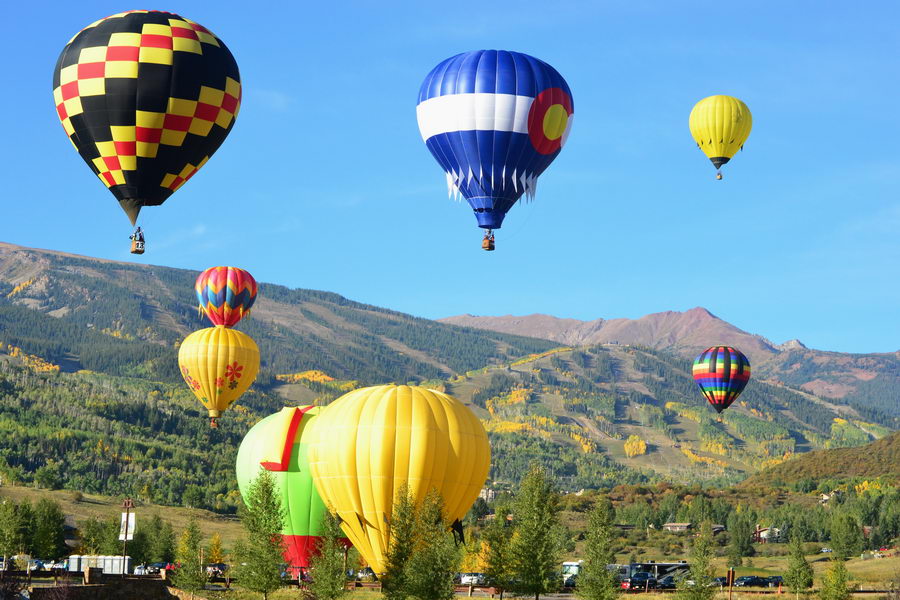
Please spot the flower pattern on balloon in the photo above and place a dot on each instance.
(233, 371)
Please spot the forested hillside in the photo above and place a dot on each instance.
(125, 319)
(610, 413)
(90, 398)
(864, 381)
(880, 458)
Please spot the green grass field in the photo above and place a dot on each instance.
(228, 527)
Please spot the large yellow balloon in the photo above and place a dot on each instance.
(369, 442)
(720, 126)
(218, 364)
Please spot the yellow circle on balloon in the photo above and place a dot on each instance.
(555, 120)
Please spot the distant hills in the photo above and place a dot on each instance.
(124, 319)
(866, 381)
(880, 458)
(90, 396)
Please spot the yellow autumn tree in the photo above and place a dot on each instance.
(635, 446)
(215, 554)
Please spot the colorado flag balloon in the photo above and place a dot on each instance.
(722, 373)
(494, 120)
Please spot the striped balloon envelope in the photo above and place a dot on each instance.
(722, 373)
(494, 120)
(225, 294)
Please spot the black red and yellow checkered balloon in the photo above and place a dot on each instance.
(146, 98)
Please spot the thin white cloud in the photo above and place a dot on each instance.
(271, 99)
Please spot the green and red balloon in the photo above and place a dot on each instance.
(278, 444)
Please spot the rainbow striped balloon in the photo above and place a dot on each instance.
(225, 294)
(722, 373)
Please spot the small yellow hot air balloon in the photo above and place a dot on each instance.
(218, 364)
(369, 442)
(720, 126)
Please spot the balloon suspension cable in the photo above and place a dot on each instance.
(719, 175)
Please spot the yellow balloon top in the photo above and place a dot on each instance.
(720, 126)
(369, 442)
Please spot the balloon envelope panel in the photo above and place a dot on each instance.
(494, 120)
(371, 441)
(722, 373)
(146, 97)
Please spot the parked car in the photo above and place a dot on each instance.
(472, 579)
(216, 569)
(156, 567)
(826, 550)
(639, 581)
(667, 583)
(571, 581)
(35, 564)
(774, 581)
(751, 581)
(720, 581)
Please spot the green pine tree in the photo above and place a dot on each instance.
(327, 564)
(263, 520)
(400, 546)
(799, 574)
(497, 560)
(190, 575)
(595, 581)
(697, 586)
(835, 583)
(10, 540)
(846, 536)
(537, 539)
(435, 560)
(740, 536)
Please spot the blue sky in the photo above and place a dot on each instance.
(324, 182)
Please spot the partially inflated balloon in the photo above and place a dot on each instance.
(146, 98)
(279, 444)
(722, 373)
(720, 126)
(218, 364)
(225, 294)
(494, 120)
(369, 442)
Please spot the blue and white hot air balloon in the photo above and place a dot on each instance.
(494, 120)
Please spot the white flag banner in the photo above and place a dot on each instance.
(126, 528)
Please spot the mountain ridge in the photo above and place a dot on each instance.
(826, 373)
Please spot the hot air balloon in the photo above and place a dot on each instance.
(720, 126)
(278, 444)
(225, 294)
(494, 120)
(371, 441)
(722, 373)
(218, 364)
(146, 98)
